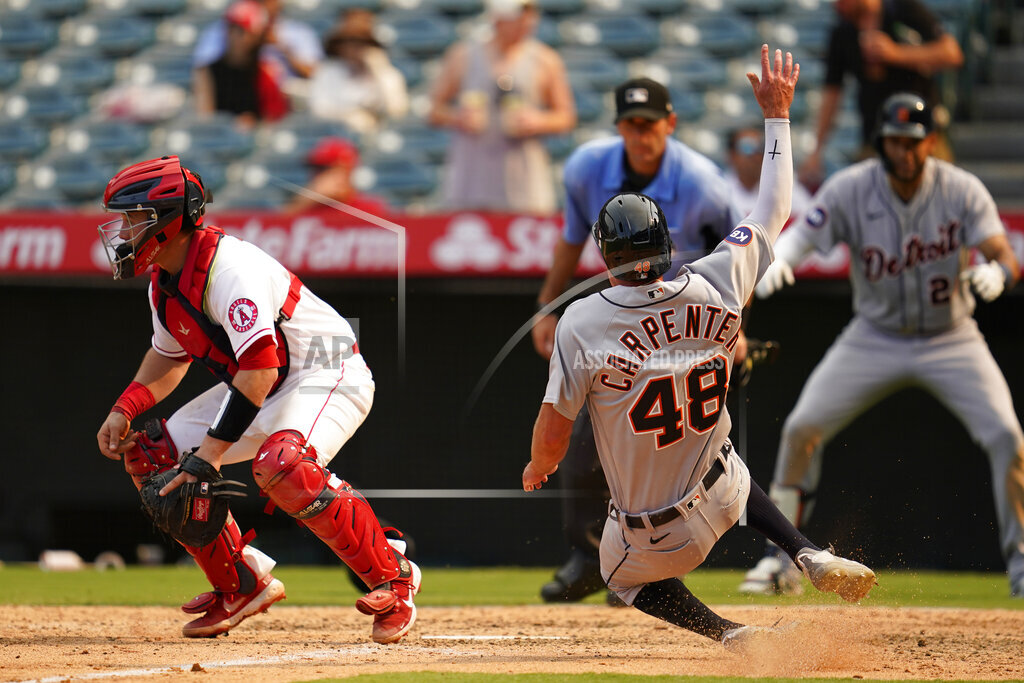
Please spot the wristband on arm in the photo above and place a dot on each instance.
(135, 400)
(236, 414)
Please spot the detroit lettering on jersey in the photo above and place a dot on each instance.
(916, 251)
(660, 330)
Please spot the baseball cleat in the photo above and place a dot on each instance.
(576, 579)
(391, 604)
(773, 575)
(738, 640)
(224, 611)
(831, 574)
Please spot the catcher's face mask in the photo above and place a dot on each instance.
(124, 236)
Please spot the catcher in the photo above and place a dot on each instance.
(231, 307)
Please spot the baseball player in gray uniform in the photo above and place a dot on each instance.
(910, 221)
(651, 360)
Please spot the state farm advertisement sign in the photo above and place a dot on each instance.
(334, 244)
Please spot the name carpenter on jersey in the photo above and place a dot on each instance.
(596, 359)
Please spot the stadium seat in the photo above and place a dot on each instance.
(411, 67)
(589, 103)
(51, 9)
(10, 72)
(548, 33)
(112, 34)
(45, 105)
(263, 169)
(215, 135)
(456, 8)
(21, 140)
(159, 64)
(183, 30)
(111, 140)
(420, 34)
(626, 34)
(238, 197)
(660, 8)
(77, 177)
(151, 8)
(29, 198)
(399, 177)
(559, 146)
(77, 70)
(298, 133)
(595, 66)
(560, 8)
(721, 34)
(7, 178)
(688, 104)
(414, 137)
(23, 34)
(688, 68)
(805, 35)
(750, 7)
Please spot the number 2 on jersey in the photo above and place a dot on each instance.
(657, 408)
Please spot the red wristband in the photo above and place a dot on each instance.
(135, 400)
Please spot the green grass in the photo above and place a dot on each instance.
(27, 585)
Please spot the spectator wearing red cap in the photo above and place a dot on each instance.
(357, 84)
(240, 82)
(333, 160)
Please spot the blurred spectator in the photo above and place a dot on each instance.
(333, 160)
(501, 96)
(239, 82)
(743, 176)
(357, 84)
(290, 48)
(888, 46)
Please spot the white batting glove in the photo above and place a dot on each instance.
(988, 279)
(778, 275)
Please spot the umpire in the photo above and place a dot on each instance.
(695, 198)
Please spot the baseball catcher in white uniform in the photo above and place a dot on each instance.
(910, 221)
(651, 359)
(293, 389)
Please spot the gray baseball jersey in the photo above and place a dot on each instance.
(652, 362)
(905, 258)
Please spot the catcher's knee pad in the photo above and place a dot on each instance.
(153, 452)
(287, 471)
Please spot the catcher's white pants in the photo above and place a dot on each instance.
(629, 559)
(324, 404)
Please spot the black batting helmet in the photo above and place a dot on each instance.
(632, 234)
(903, 114)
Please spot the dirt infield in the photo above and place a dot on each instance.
(301, 643)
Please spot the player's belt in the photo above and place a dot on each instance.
(660, 517)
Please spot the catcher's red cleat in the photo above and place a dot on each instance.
(224, 611)
(391, 604)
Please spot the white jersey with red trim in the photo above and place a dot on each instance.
(652, 362)
(245, 292)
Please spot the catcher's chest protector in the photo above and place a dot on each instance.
(178, 300)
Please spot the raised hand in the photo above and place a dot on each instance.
(774, 89)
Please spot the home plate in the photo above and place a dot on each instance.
(498, 637)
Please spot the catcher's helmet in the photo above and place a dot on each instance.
(632, 234)
(156, 200)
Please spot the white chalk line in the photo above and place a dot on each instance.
(496, 637)
(247, 661)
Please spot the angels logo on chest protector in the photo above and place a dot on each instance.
(242, 314)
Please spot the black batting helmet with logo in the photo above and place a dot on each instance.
(903, 115)
(632, 234)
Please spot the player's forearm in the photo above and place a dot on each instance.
(160, 374)
(944, 53)
(775, 194)
(551, 433)
(563, 264)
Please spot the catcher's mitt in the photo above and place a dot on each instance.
(195, 512)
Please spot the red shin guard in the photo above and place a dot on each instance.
(287, 471)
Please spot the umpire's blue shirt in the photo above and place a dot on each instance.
(689, 188)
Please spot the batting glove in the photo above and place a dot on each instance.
(988, 279)
(778, 275)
